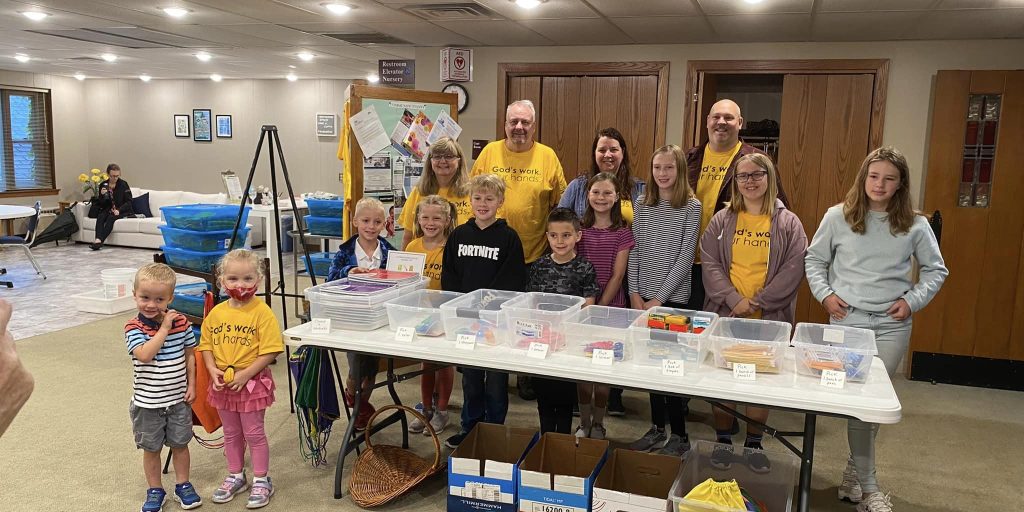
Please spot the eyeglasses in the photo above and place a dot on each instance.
(446, 158)
(756, 176)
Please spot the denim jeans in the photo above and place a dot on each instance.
(892, 338)
(484, 397)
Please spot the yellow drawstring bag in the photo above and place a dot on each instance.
(723, 494)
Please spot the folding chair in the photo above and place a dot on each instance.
(26, 241)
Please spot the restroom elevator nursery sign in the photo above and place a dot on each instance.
(397, 72)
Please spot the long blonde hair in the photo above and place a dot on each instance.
(681, 192)
(761, 160)
(428, 184)
(900, 210)
(448, 208)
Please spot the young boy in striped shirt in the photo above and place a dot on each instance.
(161, 344)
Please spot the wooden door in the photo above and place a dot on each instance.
(823, 139)
(980, 310)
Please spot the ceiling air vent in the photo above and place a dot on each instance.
(371, 38)
(452, 12)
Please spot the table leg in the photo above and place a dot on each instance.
(804, 489)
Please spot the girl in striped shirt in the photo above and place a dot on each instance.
(606, 243)
(665, 225)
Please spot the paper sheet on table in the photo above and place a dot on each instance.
(416, 139)
(444, 126)
(369, 131)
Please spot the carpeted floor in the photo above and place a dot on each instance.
(71, 448)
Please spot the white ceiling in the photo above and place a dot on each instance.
(260, 38)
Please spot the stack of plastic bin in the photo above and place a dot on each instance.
(325, 216)
(355, 305)
(197, 235)
(321, 263)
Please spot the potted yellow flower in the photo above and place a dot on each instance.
(92, 182)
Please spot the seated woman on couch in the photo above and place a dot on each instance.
(114, 202)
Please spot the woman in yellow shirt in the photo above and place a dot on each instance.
(752, 253)
(444, 174)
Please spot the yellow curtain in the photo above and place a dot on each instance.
(346, 170)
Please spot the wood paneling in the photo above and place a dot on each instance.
(1014, 94)
(519, 88)
(559, 123)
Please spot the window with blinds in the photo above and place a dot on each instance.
(27, 158)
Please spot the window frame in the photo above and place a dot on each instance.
(7, 143)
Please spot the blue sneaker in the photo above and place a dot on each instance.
(187, 496)
(154, 500)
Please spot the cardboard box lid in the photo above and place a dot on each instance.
(640, 475)
(558, 454)
(489, 442)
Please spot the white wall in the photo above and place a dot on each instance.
(911, 74)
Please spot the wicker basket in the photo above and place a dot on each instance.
(383, 473)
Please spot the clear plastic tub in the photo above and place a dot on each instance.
(325, 207)
(193, 260)
(321, 263)
(600, 327)
(743, 340)
(662, 333)
(203, 217)
(479, 314)
(344, 293)
(204, 241)
(537, 317)
(420, 310)
(773, 488)
(834, 347)
(329, 226)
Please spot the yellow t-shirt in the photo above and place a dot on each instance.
(750, 246)
(408, 218)
(627, 210)
(236, 336)
(432, 267)
(709, 185)
(534, 183)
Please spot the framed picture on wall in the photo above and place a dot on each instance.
(202, 125)
(181, 122)
(223, 126)
(326, 125)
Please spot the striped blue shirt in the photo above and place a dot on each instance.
(161, 382)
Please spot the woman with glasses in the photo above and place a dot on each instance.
(444, 174)
(752, 255)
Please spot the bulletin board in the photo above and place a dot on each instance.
(397, 109)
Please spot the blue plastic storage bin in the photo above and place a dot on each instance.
(189, 298)
(321, 263)
(203, 217)
(326, 207)
(193, 260)
(202, 240)
(323, 225)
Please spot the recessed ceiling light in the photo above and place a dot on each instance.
(216, 78)
(175, 12)
(79, 77)
(34, 15)
(22, 57)
(109, 57)
(291, 67)
(305, 56)
(528, 4)
(291, 77)
(337, 8)
(203, 56)
(372, 78)
(753, 2)
(145, 78)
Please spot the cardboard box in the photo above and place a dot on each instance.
(635, 482)
(482, 472)
(557, 475)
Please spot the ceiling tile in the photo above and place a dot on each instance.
(667, 29)
(336, 27)
(498, 33)
(362, 53)
(978, 4)
(873, 5)
(267, 10)
(712, 7)
(275, 33)
(362, 10)
(612, 8)
(858, 26)
(762, 27)
(200, 14)
(971, 24)
(553, 9)
(579, 31)
(422, 34)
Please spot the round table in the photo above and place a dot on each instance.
(7, 214)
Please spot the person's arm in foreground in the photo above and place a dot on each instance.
(16, 382)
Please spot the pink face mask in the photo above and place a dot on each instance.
(242, 294)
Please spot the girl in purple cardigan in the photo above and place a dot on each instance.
(752, 255)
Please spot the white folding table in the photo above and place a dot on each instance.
(874, 401)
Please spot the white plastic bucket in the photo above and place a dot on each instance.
(117, 282)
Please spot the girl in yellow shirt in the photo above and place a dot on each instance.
(444, 174)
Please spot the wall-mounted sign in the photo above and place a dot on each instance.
(456, 65)
(397, 72)
(326, 125)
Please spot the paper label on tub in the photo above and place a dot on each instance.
(672, 367)
(537, 350)
(482, 491)
(548, 507)
(603, 357)
(320, 326)
(405, 334)
(527, 329)
(744, 371)
(835, 379)
(465, 341)
(832, 335)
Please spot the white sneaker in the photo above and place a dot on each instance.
(580, 433)
(850, 489)
(875, 502)
(598, 432)
(416, 426)
(438, 422)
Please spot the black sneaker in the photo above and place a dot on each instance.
(453, 442)
(722, 457)
(615, 407)
(525, 387)
(757, 461)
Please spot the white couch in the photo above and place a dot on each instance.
(145, 233)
